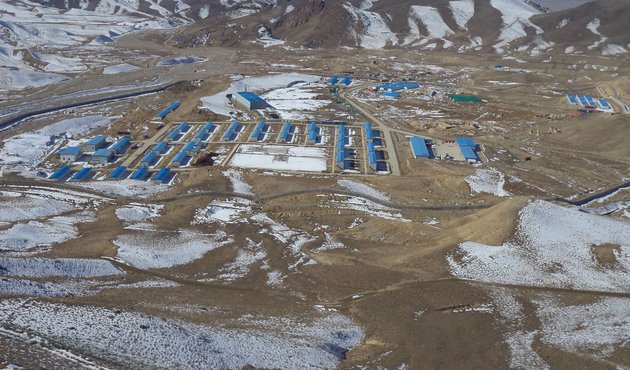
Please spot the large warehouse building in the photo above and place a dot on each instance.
(250, 100)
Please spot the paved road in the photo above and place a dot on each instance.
(387, 131)
(48, 105)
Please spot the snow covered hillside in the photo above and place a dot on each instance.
(37, 42)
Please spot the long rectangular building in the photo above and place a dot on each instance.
(419, 147)
(250, 100)
(468, 147)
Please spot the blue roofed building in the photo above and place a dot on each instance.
(81, 175)
(396, 86)
(181, 159)
(391, 95)
(140, 174)
(161, 147)
(95, 143)
(70, 154)
(250, 101)
(102, 156)
(469, 148)
(149, 158)
(121, 145)
(168, 110)
(163, 175)
(419, 147)
(118, 173)
(60, 173)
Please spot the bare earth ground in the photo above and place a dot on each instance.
(390, 276)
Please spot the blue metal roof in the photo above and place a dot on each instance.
(469, 153)
(419, 147)
(61, 172)
(208, 126)
(312, 132)
(372, 158)
(200, 135)
(391, 94)
(149, 157)
(465, 141)
(121, 144)
(81, 174)
(96, 140)
(394, 86)
(231, 131)
(257, 130)
(191, 146)
(140, 173)
(161, 147)
(333, 80)
(119, 171)
(341, 154)
(604, 104)
(284, 133)
(342, 132)
(102, 153)
(180, 158)
(162, 174)
(182, 127)
(73, 150)
(251, 97)
(168, 110)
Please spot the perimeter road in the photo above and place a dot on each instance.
(44, 106)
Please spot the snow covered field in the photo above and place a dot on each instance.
(40, 217)
(58, 267)
(228, 211)
(162, 249)
(65, 36)
(556, 247)
(362, 188)
(138, 212)
(126, 188)
(27, 236)
(25, 151)
(297, 101)
(219, 104)
(487, 180)
(135, 338)
(552, 247)
(366, 206)
(281, 158)
(120, 68)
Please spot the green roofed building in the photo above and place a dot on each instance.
(464, 98)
